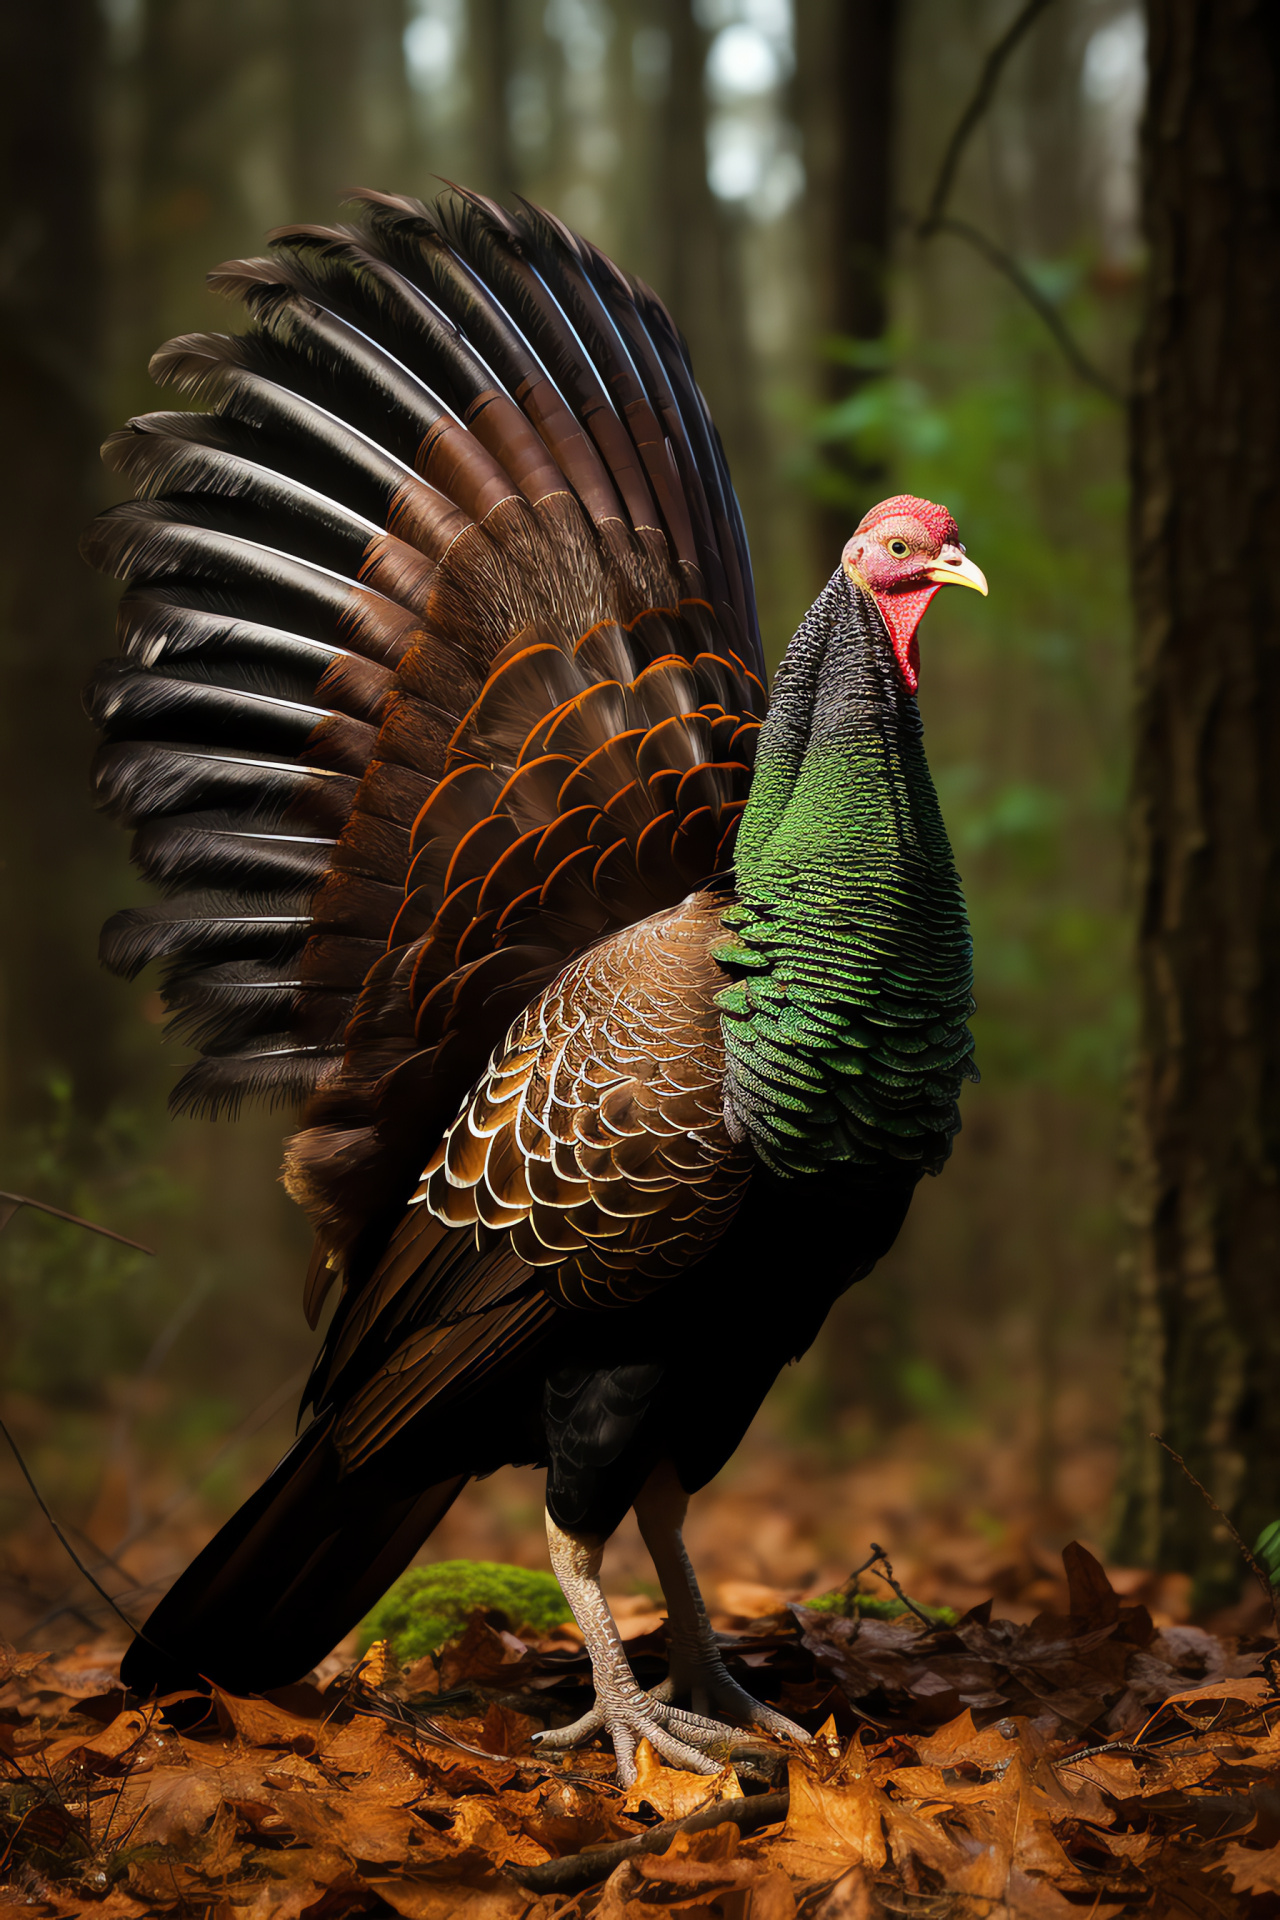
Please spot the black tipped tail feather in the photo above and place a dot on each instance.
(288, 1576)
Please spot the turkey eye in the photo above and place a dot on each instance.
(899, 549)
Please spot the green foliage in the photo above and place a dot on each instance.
(429, 1604)
(868, 1606)
(1267, 1549)
(77, 1308)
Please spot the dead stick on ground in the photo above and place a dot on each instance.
(878, 1553)
(1259, 1572)
(578, 1870)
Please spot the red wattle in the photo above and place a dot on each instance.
(902, 614)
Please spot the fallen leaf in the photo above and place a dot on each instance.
(18, 1666)
(747, 1600)
(853, 1897)
(840, 1823)
(178, 1806)
(505, 1731)
(259, 1723)
(486, 1825)
(672, 1793)
(1252, 1869)
(479, 1653)
(423, 1899)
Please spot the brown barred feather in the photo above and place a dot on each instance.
(604, 1107)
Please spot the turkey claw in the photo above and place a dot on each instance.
(712, 1689)
(682, 1739)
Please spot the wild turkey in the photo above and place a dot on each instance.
(440, 692)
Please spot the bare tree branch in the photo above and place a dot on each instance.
(71, 1552)
(983, 94)
(1005, 263)
(11, 1203)
(935, 218)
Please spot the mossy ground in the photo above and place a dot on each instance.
(851, 1606)
(429, 1604)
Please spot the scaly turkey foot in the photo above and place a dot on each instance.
(629, 1715)
(684, 1739)
(700, 1675)
(697, 1670)
(623, 1710)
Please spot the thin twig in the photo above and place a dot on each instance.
(11, 1203)
(43, 1505)
(263, 1412)
(577, 1870)
(878, 1553)
(981, 99)
(935, 218)
(1004, 262)
(1251, 1561)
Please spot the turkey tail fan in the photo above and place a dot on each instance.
(437, 662)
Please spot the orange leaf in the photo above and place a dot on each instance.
(672, 1793)
(420, 1899)
(1252, 1869)
(834, 1822)
(260, 1724)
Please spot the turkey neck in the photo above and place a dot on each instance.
(845, 1025)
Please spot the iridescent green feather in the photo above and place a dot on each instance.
(846, 1022)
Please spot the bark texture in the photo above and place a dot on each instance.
(54, 1004)
(848, 142)
(1206, 805)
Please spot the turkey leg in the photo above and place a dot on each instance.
(623, 1709)
(697, 1667)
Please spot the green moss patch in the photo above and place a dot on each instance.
(428, 1605)
(867, 1606)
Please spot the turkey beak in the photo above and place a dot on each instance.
(954, 568)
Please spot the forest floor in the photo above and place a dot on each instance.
(1073, 1745)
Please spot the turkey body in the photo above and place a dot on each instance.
(598, 1400)
(625, 1006)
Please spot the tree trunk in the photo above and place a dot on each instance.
(1206, 800)
(490, 49)
(54, 619)
(848, 152)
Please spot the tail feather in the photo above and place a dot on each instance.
(288, 1576)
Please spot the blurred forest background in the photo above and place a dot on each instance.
(769, 166)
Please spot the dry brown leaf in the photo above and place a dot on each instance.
(748, 1600)
(1252, 1690)
(293, 1880)
(831, 1826)
(479, 1653)
(505, 1731)
(564, 1817)
(853, 1897)
(672, 1793)
(363, 1828)
(1252, 1869)
(959, 1740)
(1114, 1773)
(490, 1826)
(259, 1723)
(18, 1666)
(179, 1804)
(423, 1899)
